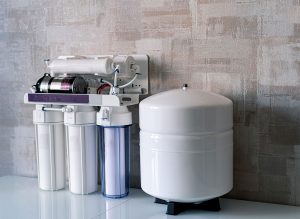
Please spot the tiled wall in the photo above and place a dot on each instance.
(247, 50)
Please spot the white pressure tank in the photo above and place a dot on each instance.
(186, 145)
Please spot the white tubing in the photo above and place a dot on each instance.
(82, 66)
(130, 82)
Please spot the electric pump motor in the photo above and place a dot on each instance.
(61, 84)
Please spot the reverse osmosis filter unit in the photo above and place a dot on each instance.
(186, 148)
(79, 93)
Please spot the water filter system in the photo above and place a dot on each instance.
(82, 127)
(81, 116)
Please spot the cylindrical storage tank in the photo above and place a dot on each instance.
(114, 130)
(186, 145)
(81, 140)
(50, 148)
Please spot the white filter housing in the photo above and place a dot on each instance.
(81, 140)
(50, 148)
(186, 145)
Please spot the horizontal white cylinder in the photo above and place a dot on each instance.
(81, 66)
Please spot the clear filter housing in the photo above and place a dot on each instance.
(114, 157)
(50, 148)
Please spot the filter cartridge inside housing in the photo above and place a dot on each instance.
(114, 155)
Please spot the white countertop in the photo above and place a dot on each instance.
(21, 198)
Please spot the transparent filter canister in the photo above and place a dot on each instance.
(114, 156)
(50, 148)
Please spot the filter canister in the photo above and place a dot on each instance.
(114, 157)
(50, 148)
(81, 141)
(114, 131)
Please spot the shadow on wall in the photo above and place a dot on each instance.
(266, 149)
